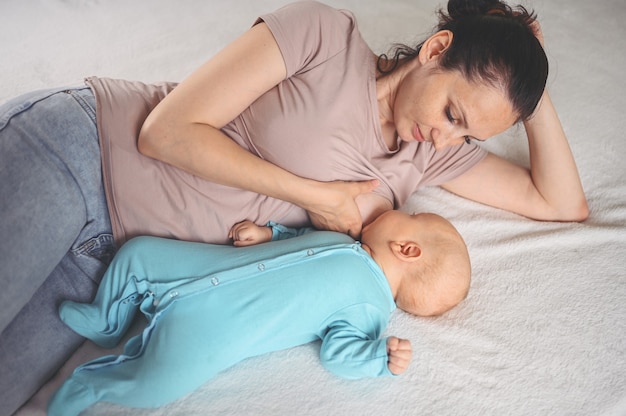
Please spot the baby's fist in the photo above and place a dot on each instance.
(399, 352)
(247, 233)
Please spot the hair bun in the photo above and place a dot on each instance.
(462, 8)
(459, 9)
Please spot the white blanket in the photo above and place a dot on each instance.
(543, 331)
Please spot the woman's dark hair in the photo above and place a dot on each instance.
(492, 42)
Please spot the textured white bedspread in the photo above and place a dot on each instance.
(543, 331)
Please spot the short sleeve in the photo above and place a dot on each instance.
(444, 165)
(309, 33)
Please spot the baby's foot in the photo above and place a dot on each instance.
(91, 322)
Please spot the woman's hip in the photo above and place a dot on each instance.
(52, 197)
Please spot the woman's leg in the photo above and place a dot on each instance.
(56, 232)
(37, 343)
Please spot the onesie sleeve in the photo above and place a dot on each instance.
(309, 33)
(354, 351)
(281, 232)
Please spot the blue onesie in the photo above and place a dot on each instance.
(211, 306)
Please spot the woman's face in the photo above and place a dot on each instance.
(444, 108)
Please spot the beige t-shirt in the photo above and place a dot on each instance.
(321, 122)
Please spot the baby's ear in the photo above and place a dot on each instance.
(406, 250)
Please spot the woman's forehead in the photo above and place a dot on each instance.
(483, 106)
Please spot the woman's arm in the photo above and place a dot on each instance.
(551, 190)
(184, 131)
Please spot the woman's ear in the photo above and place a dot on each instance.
(406, 250)
(435, 45)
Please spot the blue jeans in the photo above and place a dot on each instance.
(56, 238)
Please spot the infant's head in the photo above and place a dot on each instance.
(424, 258)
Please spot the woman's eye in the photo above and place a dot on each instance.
(449, 115)
(467, 139)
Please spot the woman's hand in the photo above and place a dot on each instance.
(333, 206)
(247, 233)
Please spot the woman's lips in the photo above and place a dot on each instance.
(418, 134)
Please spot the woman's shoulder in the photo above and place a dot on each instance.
(309, 32)
(311, 18)
(315, 10)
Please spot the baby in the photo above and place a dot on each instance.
(211, 306)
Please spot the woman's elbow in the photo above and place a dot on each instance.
(582, 212)
(577, 212)
(149, 139)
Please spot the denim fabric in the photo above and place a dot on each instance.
(56, 232)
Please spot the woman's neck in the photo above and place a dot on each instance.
(386, 91)
(387, 88)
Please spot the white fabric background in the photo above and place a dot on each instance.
(543, 331)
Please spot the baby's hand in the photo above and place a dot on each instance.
(399, 352)
(247, 233)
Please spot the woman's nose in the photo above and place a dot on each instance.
(447, 136)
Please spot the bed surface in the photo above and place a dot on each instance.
(543, 330)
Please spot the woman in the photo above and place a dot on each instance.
(295, 118)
